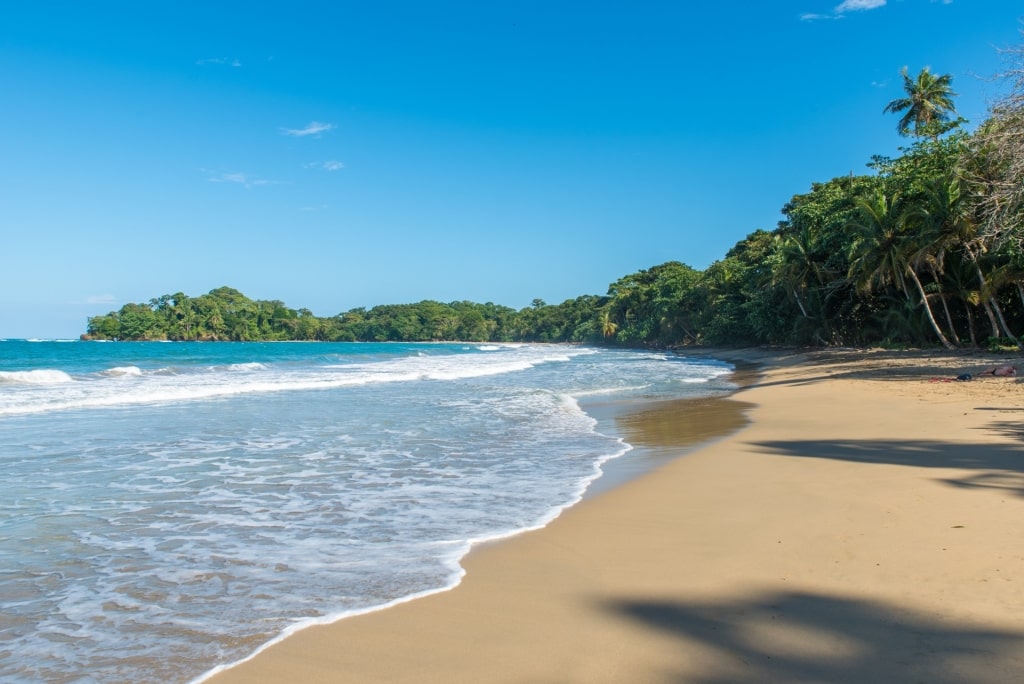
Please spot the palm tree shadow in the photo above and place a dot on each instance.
(1013, 430)
(999, 466)
(808, 637)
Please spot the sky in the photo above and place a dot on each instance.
(344, 154)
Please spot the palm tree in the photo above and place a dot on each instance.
(883, 253)
(798, 269)
(928, 104)
(608, 326)
(952, 228)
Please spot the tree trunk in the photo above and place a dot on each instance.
(931, 317)
(993, 323)
(945, 308)
(796, 295)
(949, 321)
(992, 304)
(970, 326)
(1002, 322)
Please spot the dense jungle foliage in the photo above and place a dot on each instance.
(926, 249)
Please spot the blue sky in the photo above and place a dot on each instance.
(343, 154)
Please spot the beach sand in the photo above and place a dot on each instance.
(867, 525)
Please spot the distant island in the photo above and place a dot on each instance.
(227, 314)
(927, 250)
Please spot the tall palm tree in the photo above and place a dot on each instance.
(952, 228)
(884, 253)
(929, 103)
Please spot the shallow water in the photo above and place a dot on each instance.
(171, 506)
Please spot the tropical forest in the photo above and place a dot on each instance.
(926, 249)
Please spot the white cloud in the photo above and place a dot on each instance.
(331, 165)
(224, 61)
(857, 5)
(848, 6)
(240, 179)
(313, 128)
(101, 299)
(810, 16)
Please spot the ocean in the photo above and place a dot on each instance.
(169, 508)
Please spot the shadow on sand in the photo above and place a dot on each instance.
(998, 466)
(807, 637)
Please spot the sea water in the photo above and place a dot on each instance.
(167, 509)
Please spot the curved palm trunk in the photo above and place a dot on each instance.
(945, 308)
(992, 322)
(796, 296)
(1002, 322)
(970, 326)
(993, 305)
(949, 322)
(931, 316)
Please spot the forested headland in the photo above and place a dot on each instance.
(927, 249)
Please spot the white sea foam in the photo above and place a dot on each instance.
(35, 377)
(454, 551)
(251, 365)
(272, 508)
(123, 371)
(236, 379)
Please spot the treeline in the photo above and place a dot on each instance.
(927, 249)
(227, 314)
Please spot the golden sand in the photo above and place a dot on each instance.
(866, 526)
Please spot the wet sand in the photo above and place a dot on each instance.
(867, 525)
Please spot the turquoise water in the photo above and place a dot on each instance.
(168, 508)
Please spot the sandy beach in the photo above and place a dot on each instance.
(863, 522)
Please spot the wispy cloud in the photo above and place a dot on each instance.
(330, 165)
(319, 207)
(240, 179)
(101, 299)
(222, 61)
(846, 6)
(312, 128)
(858, 5)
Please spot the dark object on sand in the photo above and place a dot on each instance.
(1000, 371)
(963, 378)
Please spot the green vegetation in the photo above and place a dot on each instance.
(928, 249)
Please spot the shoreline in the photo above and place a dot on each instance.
(652, 429)
(725, 414)
(791, 550)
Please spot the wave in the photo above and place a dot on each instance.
(123, 371)
(35, 377)
(55, 390)
(216, 382)
(252, 365)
